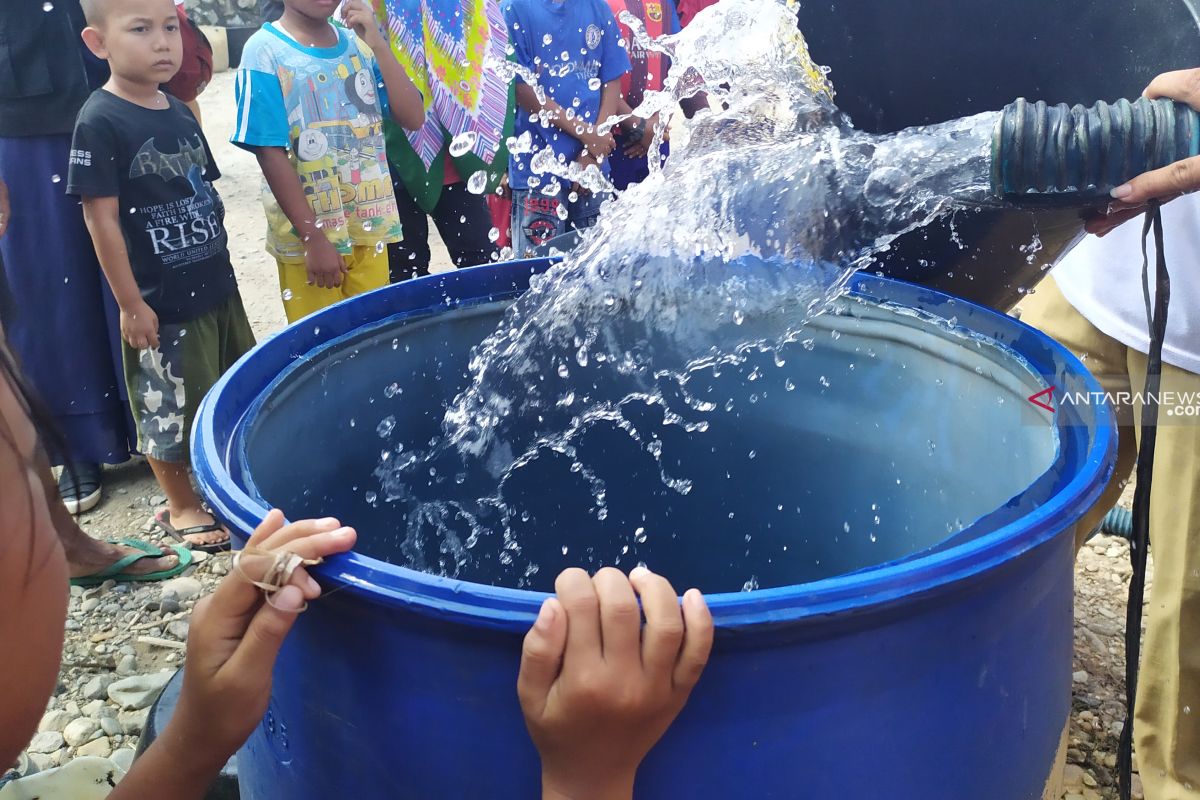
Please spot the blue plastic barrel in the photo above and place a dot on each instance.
(933, 662)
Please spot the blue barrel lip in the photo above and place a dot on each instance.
(874, 588)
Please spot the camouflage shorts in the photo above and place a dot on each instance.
(167, 384)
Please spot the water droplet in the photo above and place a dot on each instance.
(477, 183)
(386, 426)
(287, 295)
(564, 549)
(56, 178)
(563, 372)
(739, 316)
(594, 84)
(371, 497)
(493, 234)
(547, 39)
(462, 143)
(47, 6)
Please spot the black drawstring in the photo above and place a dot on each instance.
(1156, 317)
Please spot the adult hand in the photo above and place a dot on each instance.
(1163, 184)
(235, 636)
(598, 690)
(325, 265)
(139, 326)
(5, 208)
(360, 17)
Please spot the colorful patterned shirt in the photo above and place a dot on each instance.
(326, 106)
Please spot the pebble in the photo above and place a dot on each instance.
(181, 589)
(127, 665)
(1080, 676)
(54, 721)
(178, 629)
(170, 606)
(79, 731)
(101, 748)
(133, 722)
(123, 758)
(111, 727)
(138, 691)
(97, 687)
(89, 605)
(93, 708)
(46, 742)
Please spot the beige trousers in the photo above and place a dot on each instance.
(1167, 719)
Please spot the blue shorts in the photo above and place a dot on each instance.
(537, 218)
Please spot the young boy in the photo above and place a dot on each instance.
(144, 172)
(572, 47)
(311, 102)
(629, 163)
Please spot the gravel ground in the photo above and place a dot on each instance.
(121, 637)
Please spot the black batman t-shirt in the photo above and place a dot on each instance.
(158, 164)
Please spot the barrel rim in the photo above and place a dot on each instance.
(873, 588)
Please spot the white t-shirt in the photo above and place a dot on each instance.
(1102, 279)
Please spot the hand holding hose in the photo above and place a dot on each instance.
(1163, 184)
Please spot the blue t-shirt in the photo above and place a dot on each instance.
(573, 46)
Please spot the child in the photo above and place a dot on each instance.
(629, 162)
(144, 172)
(572, 47)
(311, 108)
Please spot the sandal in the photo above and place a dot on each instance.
(117, 570)
(162, 519)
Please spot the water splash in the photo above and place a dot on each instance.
(769, 202)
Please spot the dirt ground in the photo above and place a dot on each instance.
(131, 495)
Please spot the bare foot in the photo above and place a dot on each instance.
(192, 518)
(87, 559)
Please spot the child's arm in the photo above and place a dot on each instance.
(139, 323)
(598, 145)
(234, 640)
(407, 105)
(325, 265)
(598, 690)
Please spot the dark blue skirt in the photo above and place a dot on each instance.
(61, 321)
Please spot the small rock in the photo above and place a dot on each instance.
(170, 605)
(1080, 676)
(123, 758)
(220, 566)
(150, 605)
(182, 589)
(1073, 778)
(46, 742)
(199, 556)
(157, 500)
(74, 625)
(54, 721)
(76, 591)
(178, 629)
(101, 748)
(127, 666)
(89, 605)
(79, 731)
(92, 709)
(138, 691)
(111, 727)
(73, 708)
(133, 722)
(97, 687)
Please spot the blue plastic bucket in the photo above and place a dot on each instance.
(932, 664)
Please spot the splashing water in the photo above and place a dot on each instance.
(719, 261)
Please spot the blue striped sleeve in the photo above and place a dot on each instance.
(261, 111)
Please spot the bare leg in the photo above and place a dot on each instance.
(183, 504)
(85, 555)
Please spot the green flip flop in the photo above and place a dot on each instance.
(116, 571)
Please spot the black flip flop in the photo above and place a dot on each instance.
(162, 519)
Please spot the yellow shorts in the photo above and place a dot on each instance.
(367, 269)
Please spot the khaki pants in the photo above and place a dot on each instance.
(1167, 720)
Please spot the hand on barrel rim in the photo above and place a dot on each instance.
(235, 636)
(1163, 184)
(598, 690)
